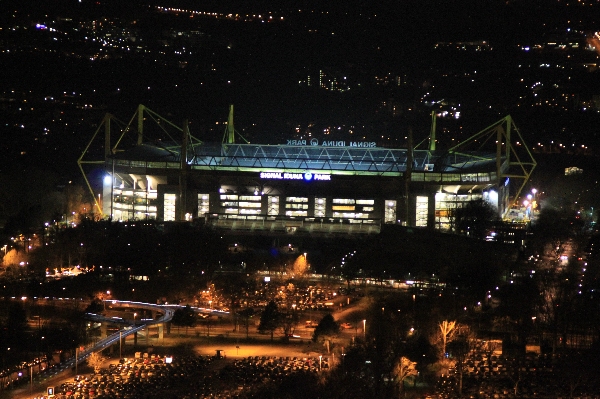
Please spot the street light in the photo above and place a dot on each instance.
(365, 328)
(134, 315)
(306, 263)
(107, 295)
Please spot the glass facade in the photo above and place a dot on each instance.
(296, 206)
(356, 201)
(351, 208)
(229, 204)
(203, 204)
(169, 207)
(390, 211)
(446, 205)
(273, 205)
(131, 204)
(320, 207)
(421, 211)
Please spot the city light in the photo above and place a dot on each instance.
(364, 328)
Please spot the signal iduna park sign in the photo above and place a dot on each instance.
(333, 143)
(308, 176)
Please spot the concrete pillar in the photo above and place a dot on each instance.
(103, 330)
(161, 327)
(431, 210)
(135, 338)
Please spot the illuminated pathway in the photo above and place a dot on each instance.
(134, 327)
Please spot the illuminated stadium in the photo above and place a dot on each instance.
(308, 186)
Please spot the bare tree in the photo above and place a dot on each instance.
(558, 290)
(95, 361)
(404, 368)
(460, 348)
(448, 330)
(577, 370)
(246, 314)
(269, 318)
(515, 373)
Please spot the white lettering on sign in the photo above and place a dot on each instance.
(293, 176)
(333, 143)
(308, 176)
(296, 142)
(363, 144)
(270, 175)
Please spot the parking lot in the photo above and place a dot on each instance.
(194, 372)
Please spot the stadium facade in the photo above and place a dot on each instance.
(312, 186)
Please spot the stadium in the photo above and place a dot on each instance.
(311, 186)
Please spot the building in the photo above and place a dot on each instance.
(310, 186)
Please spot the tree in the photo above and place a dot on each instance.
(576, 369)
(558, 291)
(232, 287)
(246, 314)
(459, 350)
(404, 368)
(327, 328)
(289, 321)
(418, 347)
(95, 306)
(475, 217)
(184, 317)
(350, 268)
(30, 198)
(95, 361)
(13, 327)
(518, 303)
(269, 318)
(448, 330)
(551, 230)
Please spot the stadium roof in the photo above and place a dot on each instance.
(317, 158)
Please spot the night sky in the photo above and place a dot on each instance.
(262, 65)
